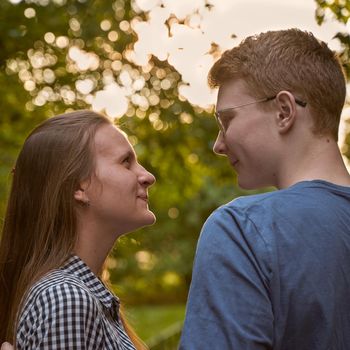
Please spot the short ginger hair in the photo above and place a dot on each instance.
(292, 60)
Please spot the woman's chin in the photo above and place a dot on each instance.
(151, 219)
(148, 220)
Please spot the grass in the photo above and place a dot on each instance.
(150, 320)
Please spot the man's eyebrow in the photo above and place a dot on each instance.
(227, 113)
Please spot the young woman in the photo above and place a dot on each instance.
(77, 187)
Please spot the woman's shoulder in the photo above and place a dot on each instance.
(58, 310)
(56, 280)
(57, 290)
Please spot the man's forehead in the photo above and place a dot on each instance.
(231, 92)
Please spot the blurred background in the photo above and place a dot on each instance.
(144, 63)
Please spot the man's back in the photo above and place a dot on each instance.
(273, 272)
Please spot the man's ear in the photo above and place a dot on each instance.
(286, 111)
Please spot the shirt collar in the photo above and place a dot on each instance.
(76, 266)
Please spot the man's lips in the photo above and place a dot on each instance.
(234, 162)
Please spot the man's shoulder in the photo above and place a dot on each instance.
(311, 199)
(299, 197)
(254, 203)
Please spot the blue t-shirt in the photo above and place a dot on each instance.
(272, 271)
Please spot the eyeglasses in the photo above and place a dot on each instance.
(218, 114)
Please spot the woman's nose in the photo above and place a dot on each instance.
(146, 178)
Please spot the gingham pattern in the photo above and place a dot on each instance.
(70, 308)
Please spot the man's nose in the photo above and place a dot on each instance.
(219, 145)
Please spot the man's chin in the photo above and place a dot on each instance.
(248, 184)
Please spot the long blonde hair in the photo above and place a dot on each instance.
(39, 231)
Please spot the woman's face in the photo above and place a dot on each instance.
(117, 192)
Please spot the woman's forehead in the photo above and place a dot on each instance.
(109, 140)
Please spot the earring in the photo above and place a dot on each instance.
(85, 204)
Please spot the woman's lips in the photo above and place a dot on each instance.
(144, 198)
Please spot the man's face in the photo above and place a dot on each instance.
(248, 136)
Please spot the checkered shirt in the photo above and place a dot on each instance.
(70, 308)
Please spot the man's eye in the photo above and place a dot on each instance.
(127, 161)
(225, 120)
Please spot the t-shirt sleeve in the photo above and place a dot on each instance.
(229, 303)
(64, 316)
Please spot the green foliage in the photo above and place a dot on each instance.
(340, 9)
(174, 139)
(149, 321)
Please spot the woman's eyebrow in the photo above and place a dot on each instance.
(127, 154)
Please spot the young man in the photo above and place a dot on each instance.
(272, 271)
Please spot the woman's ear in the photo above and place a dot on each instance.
(286, 113)
(81, 196)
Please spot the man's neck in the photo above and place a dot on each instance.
(319, 160)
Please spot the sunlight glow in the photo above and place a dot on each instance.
(190, 35)
(83, 60)
(29, 12)
(188, 46)
(344, 128)
(84, 86)
(112, 100)
(145, 260)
